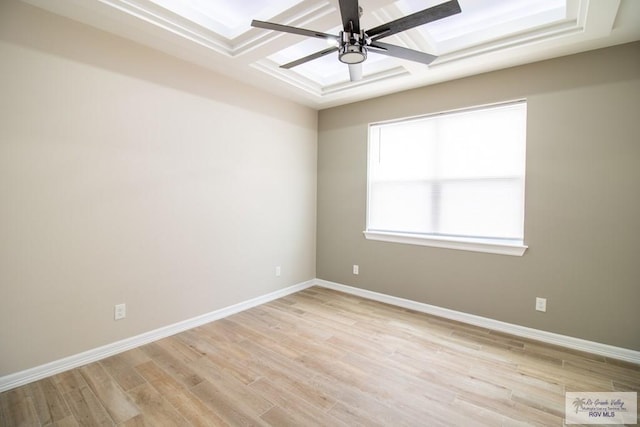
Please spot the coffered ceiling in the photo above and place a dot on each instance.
(487, 35)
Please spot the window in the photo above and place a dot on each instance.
(453, 180)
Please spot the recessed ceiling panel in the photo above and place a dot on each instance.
(224, 17)
(484, 21)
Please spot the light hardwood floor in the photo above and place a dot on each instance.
(321, 357)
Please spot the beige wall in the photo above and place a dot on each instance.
(129, 176)
(582, 203)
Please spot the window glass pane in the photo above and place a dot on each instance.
(404, 150)
(483, 208)
(400, 206)
(482, 143)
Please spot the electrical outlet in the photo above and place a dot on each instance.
(119, 311)
(541, 304)
(356, 269)
(278, 271)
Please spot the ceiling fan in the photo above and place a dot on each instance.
(353, 42)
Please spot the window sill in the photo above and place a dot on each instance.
(486, 246)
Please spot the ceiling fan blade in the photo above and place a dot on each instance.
(415, 19)
(401, 52)
(355, 72)
(292, 30)
(350, 13)
(309, 58)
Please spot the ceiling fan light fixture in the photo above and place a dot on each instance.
(352, 53)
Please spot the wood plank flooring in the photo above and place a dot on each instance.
(321, 357)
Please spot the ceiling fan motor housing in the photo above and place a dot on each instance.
(352, 47)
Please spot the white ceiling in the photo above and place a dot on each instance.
(487, 35)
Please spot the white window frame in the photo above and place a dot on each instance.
(493, 246)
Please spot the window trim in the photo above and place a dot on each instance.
(464, 244)
(514, 247)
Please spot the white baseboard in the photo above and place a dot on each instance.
(496, 325)
(39, 372)
(17, 379)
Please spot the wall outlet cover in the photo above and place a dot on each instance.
(120, 311)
